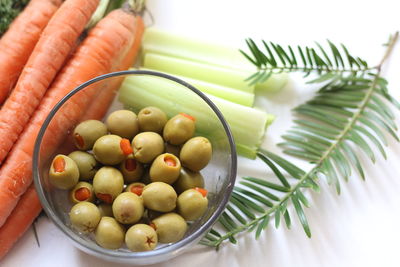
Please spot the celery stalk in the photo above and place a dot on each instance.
(247, 124)
(233, 95)
(212, 74)
(165, 43)
(161, 42)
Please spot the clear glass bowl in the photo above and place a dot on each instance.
(174, 96)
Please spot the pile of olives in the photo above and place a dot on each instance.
(134, 179)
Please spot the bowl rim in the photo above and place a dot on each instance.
(134, 255)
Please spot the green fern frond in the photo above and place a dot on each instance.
(335, 65)
(353, 115)
(255, 202)
(326, 135)
(336, 122)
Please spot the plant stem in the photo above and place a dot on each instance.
(137, 6)
(307, 69)
(362, 106)
(313, 170)
(389, 50)
(98, 14)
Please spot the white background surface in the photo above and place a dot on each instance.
(358, 228)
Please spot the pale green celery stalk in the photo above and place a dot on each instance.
(212, 74)
(248, 125)
(165, 43)
(233, 95)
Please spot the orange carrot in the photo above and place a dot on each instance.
(95, 56)
(18, 42)
(18, 222)
(47, 58)
(104, 99)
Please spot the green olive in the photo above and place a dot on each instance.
(191, 204)
(178, 129)
(127, 208)
(141, 237)
(86, 163)
(105, 209)
(188, 179)
(147, 146)
(84, 216)
(63, 173)
(87, 132)
(159, 196)
(165, 168)
(136, 188)
(123, 123)
(82, 191)
(152, 119)
(108, 183)
(170, 227)
(107, 150)
(109, 233)
(196, 153)
(131, 169)
(175, 150)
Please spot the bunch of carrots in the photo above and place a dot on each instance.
(46, 53)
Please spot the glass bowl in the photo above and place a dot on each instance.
(137, 90)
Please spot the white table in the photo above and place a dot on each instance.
(358, 228)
